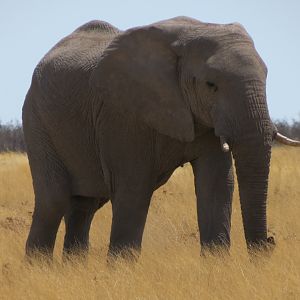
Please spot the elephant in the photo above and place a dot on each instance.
(111, 114)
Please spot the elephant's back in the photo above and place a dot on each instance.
(61, 79)
(73, 58)
(82, 47)
(90, 39)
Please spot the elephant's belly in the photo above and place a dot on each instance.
(163, 178)
(89, 188)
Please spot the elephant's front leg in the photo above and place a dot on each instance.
(128, 161)
(214, 186)
(130, 208)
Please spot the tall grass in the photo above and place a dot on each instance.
(170, 266)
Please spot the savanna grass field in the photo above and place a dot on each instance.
(170, 266)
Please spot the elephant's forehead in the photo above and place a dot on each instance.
(239, 60)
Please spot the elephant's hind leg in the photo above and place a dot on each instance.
(48, 212)
(51, 188)
(78, 220)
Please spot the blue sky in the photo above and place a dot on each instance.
(29, 28)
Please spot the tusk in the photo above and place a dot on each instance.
(224, 145)
(286, 141)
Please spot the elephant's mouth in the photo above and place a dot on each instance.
(226, 145)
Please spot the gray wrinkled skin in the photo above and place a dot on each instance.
(111, 115)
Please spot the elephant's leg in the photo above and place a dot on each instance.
(128, 161)
(130, 209)
(50, 207)
(51, 188)
(214, 188)
(78, 220)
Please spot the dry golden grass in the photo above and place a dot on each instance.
(170, 266)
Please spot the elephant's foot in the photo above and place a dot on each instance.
(38, 256)
(216, 248)
(77, 255)
(130, 254)
(75, 252)
(215, 242)
(261, 249)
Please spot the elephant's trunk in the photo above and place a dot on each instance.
(252, 163)
(252, 152)
(252, 155)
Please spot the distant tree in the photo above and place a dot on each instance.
(283, 127)
(291, 129)
(295, 130)
(11, 137)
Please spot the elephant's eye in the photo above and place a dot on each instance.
(212, 86)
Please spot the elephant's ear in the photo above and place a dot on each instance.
(137, 74)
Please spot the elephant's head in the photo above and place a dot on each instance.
(178, 72)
